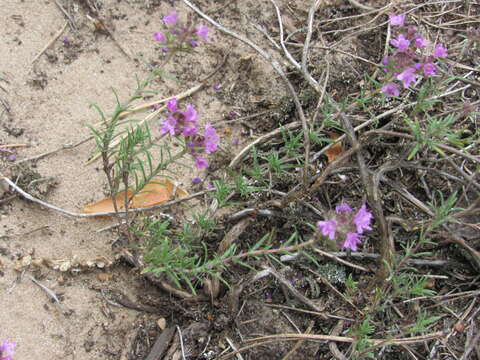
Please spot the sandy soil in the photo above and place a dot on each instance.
(49, 101)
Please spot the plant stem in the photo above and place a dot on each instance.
(269, 251)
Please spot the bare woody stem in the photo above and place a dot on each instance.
(270, 251)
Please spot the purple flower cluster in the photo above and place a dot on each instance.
(346, 226)
(6, 350)
(184, 123)
(408, 61)
(179, 36)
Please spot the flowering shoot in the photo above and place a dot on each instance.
(345, 226)
(410, 60)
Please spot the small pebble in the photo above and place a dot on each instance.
(162, 323)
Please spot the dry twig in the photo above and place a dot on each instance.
(50, 43)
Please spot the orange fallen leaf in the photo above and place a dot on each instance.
(158, 191)
(336, 150)
(104, 276)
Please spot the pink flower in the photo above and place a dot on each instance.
(353, 239)
(210, 131)
(429, 69)
(391, 89)
(169, 126)
(158, 36)
(172, 105)
(191, 115)
(202, 32)
(211, 139)
(420, 42)
(327, 228)
(190, 131)
(170, 19)
(362, 219)
(440, 51)
(343, 208)
(200, 162)
(401, 43)
(397, 20)
(407, 76)
(7, 350)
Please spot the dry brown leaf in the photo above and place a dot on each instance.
(104, 276)
(336, 150)
(158, 191)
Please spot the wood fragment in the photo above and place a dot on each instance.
(161, 344)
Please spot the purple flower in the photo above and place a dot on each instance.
(170, 19)
(343, 208)
(217, 86)
(191, 115)
(233, 115)
(353, 239)
(11, 157)
(391, 89)
(200, 162)
(385, 62)
(362, 219)
(194, 43)
(202, 32)
(7, 350)
(397, 20)
(190, 131)
(169, 126)
(440, 51)
(158, 36)
(196, 180)
(407, 76)
(420, 42)
(210, 146)
(429, 69)
(210, 131)
(327, 228)
(211, 139)
(401, 43)
(172, 105)
(66, 41)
